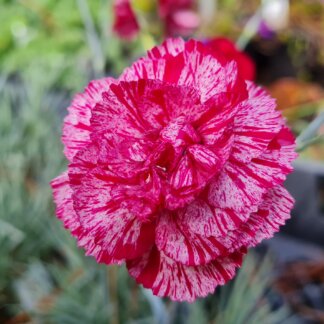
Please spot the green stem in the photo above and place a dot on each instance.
(92, 37)
(316, 140)
(250, 30)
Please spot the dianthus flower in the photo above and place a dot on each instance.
(175, 168)
(125, 21)
(177, 16)
(245, 64)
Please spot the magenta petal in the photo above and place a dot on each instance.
(206, 161)
(101, 235)
(168, 278)
(132, 109)
(184, 246)
(76, 129)
(241, 185)
(62, 193)
(272, 213)
(193, 67)
(203, 219)
(170, 47)
(236, 188)
(256, 124)
(190, 175)
(119, 233)
(146, 69)
(65, 211)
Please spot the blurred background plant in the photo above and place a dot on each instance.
(51, 49)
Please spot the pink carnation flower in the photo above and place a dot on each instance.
(179, 17)
(125, 23)
(176, 168)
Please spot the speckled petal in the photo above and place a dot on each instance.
(170, 47)
(176, 241)
(168, 278)
(135, 109)
(241, 185)
(256, 124)
(203, 219)
(193, 67)
(76, 129)
(119, 233)
(272, 213)
(62, 193)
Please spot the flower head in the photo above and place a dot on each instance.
(245, 64)
(179, 17)
(125, 24)
(175, 168)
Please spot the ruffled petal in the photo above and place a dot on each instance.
(62, 194)
(176, 241)
(205, 162)
(197, 237)
(195, 168)
(193, 67)
(168, 278)
(237, 188)
(76, 129)
(210, 76)
(273, 165)
(240, 188)
(203, 219)
(135, 110)
(109, 207)
(119, 233)
(170, 47)
(241, 185)
(256, 124)
(146, 69)
(273, 212)
(216, 125)
(130, 186)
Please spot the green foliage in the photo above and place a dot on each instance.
(57, 35)
(243, 301)
(29, 158)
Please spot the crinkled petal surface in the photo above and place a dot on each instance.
(176, 168)
(77, 129)
(167, 277)
(272, 213)
(195, 66)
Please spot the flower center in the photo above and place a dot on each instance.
(171, 146)
(179, 133)
(183, 164)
